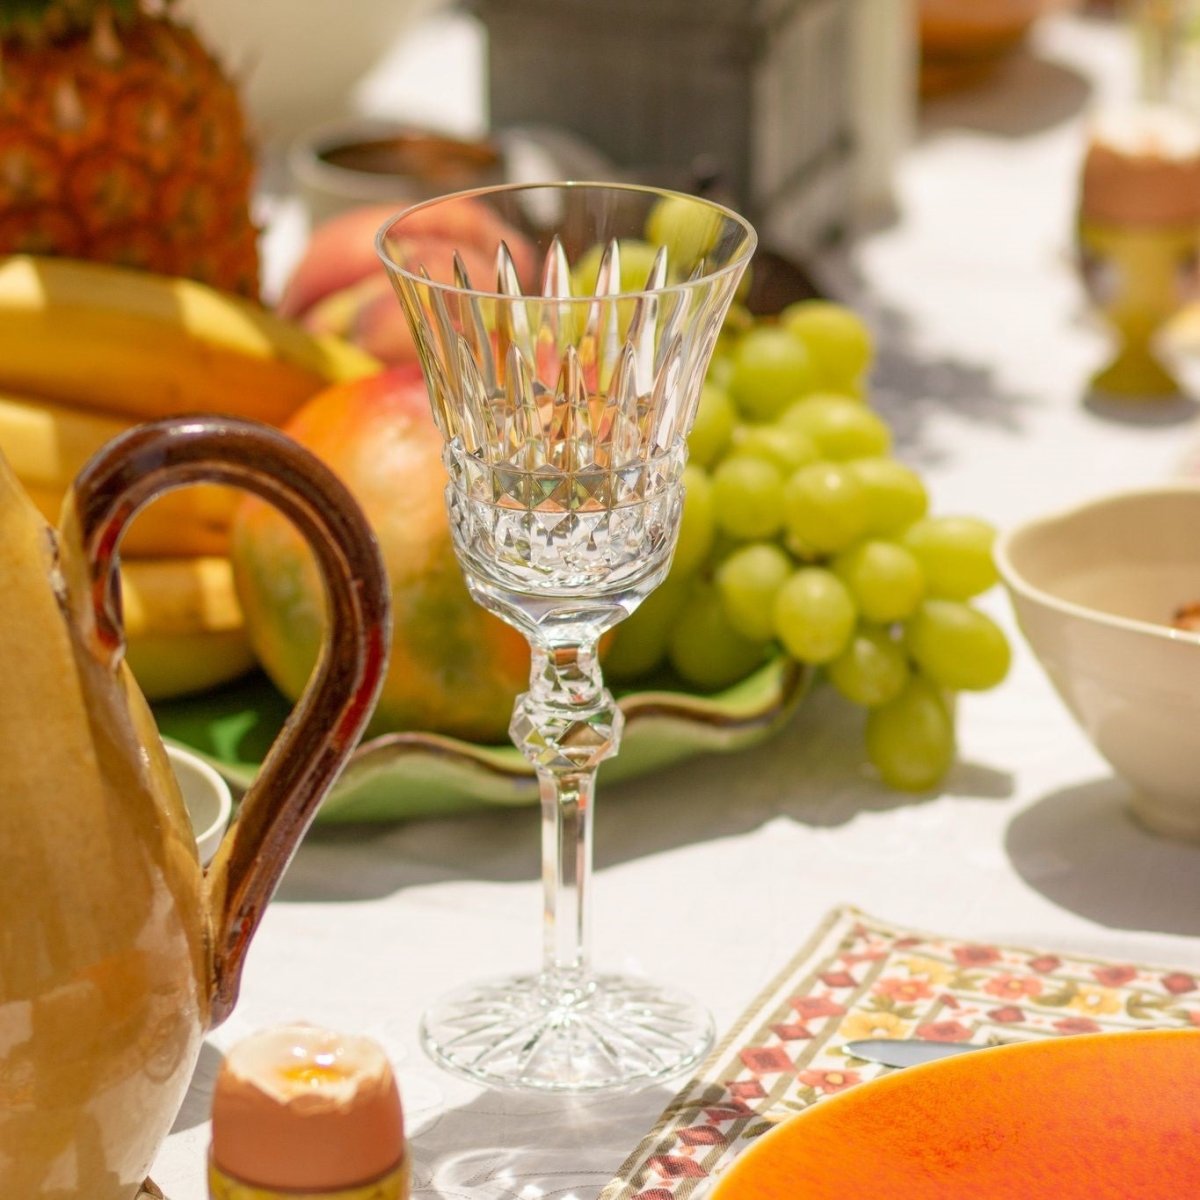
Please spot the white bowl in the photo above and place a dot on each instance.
(299, 61)
(1095, 590)
(207, 798)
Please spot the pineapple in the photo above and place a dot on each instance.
(122, 141)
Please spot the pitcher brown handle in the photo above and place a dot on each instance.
(327, 721)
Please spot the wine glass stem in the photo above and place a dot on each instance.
(566, 725)
(567, 798)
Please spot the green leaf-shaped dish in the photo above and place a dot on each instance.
(404, 775)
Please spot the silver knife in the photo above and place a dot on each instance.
(907, 1052)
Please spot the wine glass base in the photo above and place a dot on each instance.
(618, 1033)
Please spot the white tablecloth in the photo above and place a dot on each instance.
(985, 349)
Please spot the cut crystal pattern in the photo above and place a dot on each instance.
(565, 418)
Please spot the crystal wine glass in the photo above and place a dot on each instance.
(564, 347)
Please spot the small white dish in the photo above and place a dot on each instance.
(372, 160)
(1095, 591)
(207, 798)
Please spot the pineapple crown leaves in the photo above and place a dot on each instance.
(40, 21)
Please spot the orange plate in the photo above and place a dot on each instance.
(1081, 1118)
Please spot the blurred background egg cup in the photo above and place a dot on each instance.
(1139, 239)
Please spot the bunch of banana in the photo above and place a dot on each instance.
(88, 350)
(144, 346)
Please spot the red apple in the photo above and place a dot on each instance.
(339, 285)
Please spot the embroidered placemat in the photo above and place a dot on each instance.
(863, 978)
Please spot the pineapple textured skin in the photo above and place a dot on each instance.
(123, 141)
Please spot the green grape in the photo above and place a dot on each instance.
(841, 427)
(688, 228)
(824, 508)
(955, 553)
(957, 646)
(747, 582)
(748, 493)
(637, 258)
(738, 320)
(885, 579)
(871, 670)
(786, 448)
(705, 648)
(770, 370)
(697, 524)
(896, 497)
(720, 370)
(639, 643)
(723, 547)
(838, 341)
(742, 291)
(637, 261)
(814, 615)
(910, 739)
(713, 427)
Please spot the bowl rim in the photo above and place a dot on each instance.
(193, 762)
(1019, 584)
(310, 169)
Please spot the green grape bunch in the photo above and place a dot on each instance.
(802, 534)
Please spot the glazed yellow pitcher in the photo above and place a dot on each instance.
(117, 952)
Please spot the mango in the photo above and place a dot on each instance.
(455, 668)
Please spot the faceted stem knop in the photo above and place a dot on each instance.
(568, 720)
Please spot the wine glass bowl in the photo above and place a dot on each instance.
(564, 346)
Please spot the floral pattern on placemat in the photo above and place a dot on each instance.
(862, 978)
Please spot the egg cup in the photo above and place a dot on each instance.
(1138, 277)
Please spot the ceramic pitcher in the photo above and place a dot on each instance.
(117, 952)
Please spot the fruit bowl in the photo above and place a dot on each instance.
(417, 774)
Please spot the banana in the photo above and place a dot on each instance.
(179, 595)
(183, 524)
(183, 625)
(141, 345)
(170, 665)
(47, 444)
